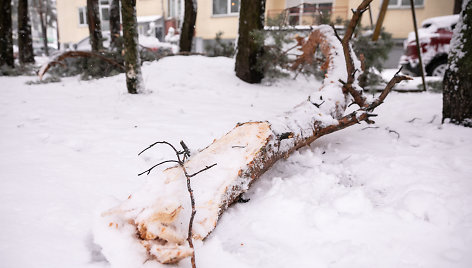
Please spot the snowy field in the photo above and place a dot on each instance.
(394, 194)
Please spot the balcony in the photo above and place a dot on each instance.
(306, 15)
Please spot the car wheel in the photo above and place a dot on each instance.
(437, 68)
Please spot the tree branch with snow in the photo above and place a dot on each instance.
(155, 219)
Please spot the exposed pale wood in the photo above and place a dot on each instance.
(160, 210)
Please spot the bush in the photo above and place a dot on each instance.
(220, 47)
(280, 39)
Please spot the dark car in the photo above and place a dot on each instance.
(434, 35)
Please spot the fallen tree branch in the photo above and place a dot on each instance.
(74, 54)
(159, 214)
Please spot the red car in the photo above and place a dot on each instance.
(434, 35)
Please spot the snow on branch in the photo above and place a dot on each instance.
(154, 221)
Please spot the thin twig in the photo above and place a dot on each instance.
(393, 131)
(181, 161)
(413, 120)
(156, 165)
(369, 127)
(206, 168)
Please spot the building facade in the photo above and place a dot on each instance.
(215, 16)
(154, 17)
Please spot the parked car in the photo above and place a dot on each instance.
(38, 50)
(434, 36)
(147, 43)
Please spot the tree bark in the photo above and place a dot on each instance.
(93, 20)
(130, 35)
(457, 95)
(457, 6)
(43, 20)
(251, 18)
(25, 43)
(156, 217)
(188, 27)
(6, 39)
(115, 23)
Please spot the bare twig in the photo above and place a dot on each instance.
(181, 161)
(156, 165)
(393, 131)
(413, 120)
(370, 127)
(206, 168)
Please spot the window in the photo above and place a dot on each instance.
(82, 16)
(404, 3)
(174, 8)
(105, 10)
(105, 13)
(225, 7)
(322, 8)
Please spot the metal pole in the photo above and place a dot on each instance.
(370, 16)
(418, 47)
(380, 19)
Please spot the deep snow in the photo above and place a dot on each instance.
(395, 194)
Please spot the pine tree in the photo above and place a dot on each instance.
(93, 20)
(6, 39)
(130, 35)
(457, 95)
(251, 19)
(188, 27)
(25, 43)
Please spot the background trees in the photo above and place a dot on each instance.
(251, 19)
(130, 35)
(6, 39)
(188, 27)
(93, 19)
(457, 96)
(25, 44)
(114, 23)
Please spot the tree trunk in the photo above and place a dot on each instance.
(115, 23)
(25, 44)
(58, 36)
(188, 27)
(157, 216)
(93, 20)
(6, 39)
(457, 6)
(130, 35)
(251, 18)
(43, 20)
(457, 95)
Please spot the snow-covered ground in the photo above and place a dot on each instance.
(393, 194)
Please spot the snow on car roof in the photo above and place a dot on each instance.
(441, 22)
(143, 19)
